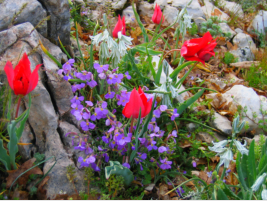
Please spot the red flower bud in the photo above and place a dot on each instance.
(137, 100)
(199, 49)
(21, 79)
(120, 26)
(157, 15)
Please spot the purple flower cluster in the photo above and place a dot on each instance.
(67, 69)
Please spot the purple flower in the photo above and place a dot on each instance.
(110, 79)
(157, 113)
(180, 191)
(174, 133)
(77, 99)
(142, 156)
(127, 75)
(110, 95)
(67, 66)
(83, 162)
(209, 174)
(87, 125)
(84, 75)
(76, 107)
(102, 76)
(162, 149)
(89, 103)
(81, 146)
(175, 114)
(126, 165)
(95, 167)
(122, 140)
(105, 139)
(194, 164)
(162, 108)
(123, 98)
(101, 68)
(92, 84)
(117, 78)
(152, 146)
(227, 172)
(165, 164)
(106, 157)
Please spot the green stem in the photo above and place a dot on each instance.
(17, 111)
(131, 128)
(160, 92)
(197, 88)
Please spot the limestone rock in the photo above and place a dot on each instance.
(260, 22)
(59, 23)
(226, 29)
(206, 137)
(146, 9)
(161, 3)
(118, 4)
(209, 9)
(222, 123)
(129, 15)
(233, 7)
(170, 13)
(194, 9)
(238, 30)
(33, 13)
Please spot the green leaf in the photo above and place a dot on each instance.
(262, 167)
(221, 195)
(251, 164)
(140, 24)
(183, 78)
(229, 192)
(188, 102)
(240, 172)
(177, 70)
(4, 158)
(160, 64)
(149, 60)
(145, 50)
(131, 58)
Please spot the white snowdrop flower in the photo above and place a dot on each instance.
(111, 42)
(264, 194)
(96, 39)
(187, 20)
(226, 157)
(258, 182)
(104, 52)
(240, 147)
(217, 145)
(124, 43)
(173, 90)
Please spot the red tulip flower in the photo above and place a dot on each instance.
(120, 26)
(21, 80)
(157, 15)
(137, 100)
(199, 49)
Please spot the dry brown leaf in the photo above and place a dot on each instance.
(21, 195)
(216, 12)
(41, 191)
(13, 174)
(215, 159)
(80, 30)
(163, 189)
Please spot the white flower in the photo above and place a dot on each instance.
(258, 182)
(124, 43)
(173, 90)
(225, 157)
(264, 194)
(240, 147)
(104, 53)
(218, 145)
(96, 39)
(187, 20)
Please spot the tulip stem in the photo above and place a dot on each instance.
(17, 111)
(131, 128)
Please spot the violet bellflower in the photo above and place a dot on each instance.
(175, 114)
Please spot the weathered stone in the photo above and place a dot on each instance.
(59, 23)
(194, 9)
(33, 13)
(161, 3)
(209, 10)
(226, 29)
(146, 9)
(222, 123)
(118, 4)
(259, 23)
(191, 127)
(170, 13)
(199, 21)
(238, 30)
(206, 137)
(232, 7)
(128, 13)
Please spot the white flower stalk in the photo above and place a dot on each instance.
(258, 182)
(97, 39)
(103, 51)
(124, 43)
(264, 194)
(218, 145)
(187, 20)
(240, 147)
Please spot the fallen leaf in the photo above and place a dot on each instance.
(20, 195)
(41, 195)
(163, 189)
(13, 174)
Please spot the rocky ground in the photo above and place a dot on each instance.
(50, 118)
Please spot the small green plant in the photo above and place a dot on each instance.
(212, 25)
(115, 184)
(193, 30)
(71, 176)
(229, 58)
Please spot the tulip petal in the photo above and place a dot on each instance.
(24, 66)
(123, 26)
(118, 27)
(148, 107)
(34, 79)
(9, 73)
(132, 108)
(194, 58)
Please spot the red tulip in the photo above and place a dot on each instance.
(199, 49)
(120, 26)
(157, 15)
(21, 80)
(137, 100)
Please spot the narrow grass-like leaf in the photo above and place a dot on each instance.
(160, 66)
(149, 60)
(131, 58)
(177, 70)
(240, 175)
(183, 78)
(229, 192)
(251, 164)
(221, 195)
(188, 102)
(140, 24)
(63, 48)
(4, 158)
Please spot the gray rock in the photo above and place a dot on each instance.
(226, 29)
(206, 137)
(33, 13)
(59, 23)
(233, 7)
(118, 4)
(191, 127)
(199, 21)
(243, 54)
(170, 13)
(209, 8)
(222, 123)
(129, 15)
(161, 3)
(194, 9)
(238, 30)
(146, 9)
(259, 23)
